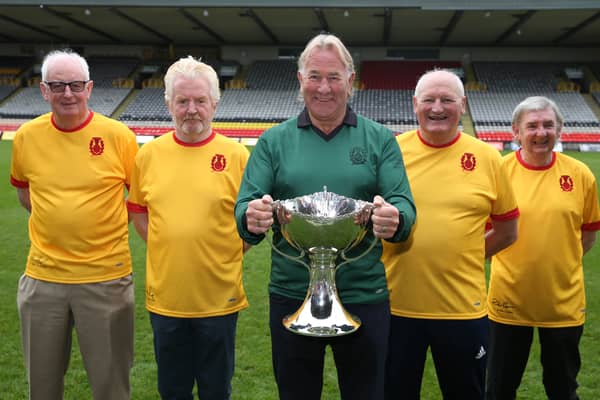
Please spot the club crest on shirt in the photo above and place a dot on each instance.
(358, 155)
(468, 162)
(566, 183)
(96, 146)
(218, 163)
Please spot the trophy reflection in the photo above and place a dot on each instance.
(325, 226)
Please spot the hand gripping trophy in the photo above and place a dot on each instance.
(326, 226)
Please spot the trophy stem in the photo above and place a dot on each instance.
(322, 313)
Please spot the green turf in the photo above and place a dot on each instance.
(253, 379)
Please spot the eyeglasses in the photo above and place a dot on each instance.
(60, 87)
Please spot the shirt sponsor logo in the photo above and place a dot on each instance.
(468, 162)
(502, 306)
(566, 183)
(218, 163)
(150, 295)
(37, 261)
(96, 146)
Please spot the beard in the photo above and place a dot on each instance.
(193, 126)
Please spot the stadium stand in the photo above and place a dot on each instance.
(390, 107)
(257, 66)
(272, 75)
(269, 94)
(398, 75)
(106, 71)
(518, 76)
(14, 67)
(495, 109)
(149, 104)
(5, 91)
(26, 103)
(106, 100)
(12, 70)
(505, 84)
(265, 105)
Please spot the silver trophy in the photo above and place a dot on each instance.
(326, 226)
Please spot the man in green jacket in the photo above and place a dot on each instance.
(328, 145)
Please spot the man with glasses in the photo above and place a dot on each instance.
(70, 168)
(60, 87)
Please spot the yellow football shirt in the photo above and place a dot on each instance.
(76, 179)
(194, 253)
(439, 272)
(539, 280)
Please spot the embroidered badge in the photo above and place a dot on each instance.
(358, 155)
(468, 162)
(566, 183)
(218, 163)
(96, 146)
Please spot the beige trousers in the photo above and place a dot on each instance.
(102, 315)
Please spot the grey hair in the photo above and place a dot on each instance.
(54, 55)
(327, 41)
(536, 103)
(460, 89)
(191, 68)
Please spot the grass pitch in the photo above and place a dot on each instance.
(253, 379)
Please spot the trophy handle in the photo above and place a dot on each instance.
(280, 215)
(350, 259)
(298, 258)
(364, 218)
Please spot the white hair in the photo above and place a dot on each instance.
(55, 55)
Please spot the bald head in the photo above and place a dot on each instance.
(439, 102)
(441, 76)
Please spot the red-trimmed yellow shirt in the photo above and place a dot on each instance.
(76, 179)
(194, 253)
(439, 272)
(539, 280)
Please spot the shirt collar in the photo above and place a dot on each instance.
(349, 119)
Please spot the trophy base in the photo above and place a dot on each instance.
(321, 331)
(338, 323)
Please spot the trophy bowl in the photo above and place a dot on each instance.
(325, 226)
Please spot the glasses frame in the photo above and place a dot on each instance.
(64, 85)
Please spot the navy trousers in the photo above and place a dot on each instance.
(509, 351)
(458, 349)
(359, 357)
(192, 351)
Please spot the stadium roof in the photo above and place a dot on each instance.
(424, 23)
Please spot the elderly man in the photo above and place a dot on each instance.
(328, 145)
(184, 186)
(70, 168)
(538, 281)
(437, 278)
